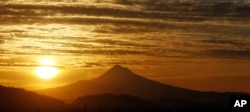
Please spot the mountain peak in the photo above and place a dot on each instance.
(118, 69)
(117, 72)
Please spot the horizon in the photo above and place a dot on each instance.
(202, 47)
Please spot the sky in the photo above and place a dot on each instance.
(201, 46)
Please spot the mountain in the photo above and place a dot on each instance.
(121, 80)
(20, 100)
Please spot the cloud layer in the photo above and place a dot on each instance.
(123, 32)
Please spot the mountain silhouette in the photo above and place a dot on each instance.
(121, 80)
(20, 100)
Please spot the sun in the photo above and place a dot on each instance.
(47, 69)
(46, 72)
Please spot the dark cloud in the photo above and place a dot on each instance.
(95, 51)
(124, 26)
(239, 44)
(13, 63)
(30, 47)
(235, 54)
(52, 10)
(2, 41)
(16, 65)
(10, 30)
(175, 12)
(92, 64)
(100, 52)
(124, 29)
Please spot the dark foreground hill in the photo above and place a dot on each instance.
(120, 80)
(114, 103)
(20, 100)
(126, 103)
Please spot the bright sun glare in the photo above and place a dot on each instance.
(47, 69)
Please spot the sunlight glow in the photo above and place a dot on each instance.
(47, 70)
(47, 61)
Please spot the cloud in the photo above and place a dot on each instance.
(92, 64)
(122, 43)
(123, 19)
(174, 12)
(223, 42)
(158, 32)
(236, 54)
(17, 64)
(98, 52)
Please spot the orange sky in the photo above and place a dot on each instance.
(204, 77)
(197, 49)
